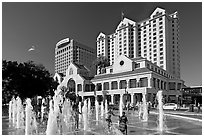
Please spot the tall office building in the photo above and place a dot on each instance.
(155, 38)
(69, 50)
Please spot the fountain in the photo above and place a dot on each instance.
(161, 113)
(106, 108)
(89, 111)
(14, 107)
(96, 110)
(43, 107)
(102, 110)
(30, 121)
(80, 111)
(89, 107)
(140, 110)
(19, 115)
(10, 109)
(84, 113)
(52, 120)
(145, 109)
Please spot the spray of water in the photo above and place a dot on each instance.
(161, 125)
(102, 110)
(96, 111)
(145, 110)
(30, 122)
(85, 117)
(20, 120)
(14, 111)
(121, 104)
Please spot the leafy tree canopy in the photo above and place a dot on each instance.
(25, 79)
(101, 62)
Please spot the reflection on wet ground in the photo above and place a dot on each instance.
(173, 126)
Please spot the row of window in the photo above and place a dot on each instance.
(154, 21)
(133, 83)
(158, 70)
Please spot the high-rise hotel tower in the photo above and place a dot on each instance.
(155, 38)
(69, 50)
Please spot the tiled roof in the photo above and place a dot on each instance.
(121, 74)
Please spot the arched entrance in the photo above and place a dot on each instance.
(71, 85)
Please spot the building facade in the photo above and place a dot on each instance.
(156, 39)
(131, 78)
(69, 50)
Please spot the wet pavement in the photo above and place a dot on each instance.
(172, 126)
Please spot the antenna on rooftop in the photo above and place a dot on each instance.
(122, 15)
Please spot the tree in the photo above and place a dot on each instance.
(101, 62)
(26, 80)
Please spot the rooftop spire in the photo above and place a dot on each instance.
(122, 15)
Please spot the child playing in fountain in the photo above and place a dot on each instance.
(76, 115)
(123, 123)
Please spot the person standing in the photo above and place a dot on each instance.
(149, 106)
(76, 116)
(123, 123)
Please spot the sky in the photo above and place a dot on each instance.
(43, 24)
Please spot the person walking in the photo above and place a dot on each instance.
(149, 106)
(123, 123)
(76, 115)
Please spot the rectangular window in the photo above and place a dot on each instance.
(160, 27)
(137, 65)
(161, 31)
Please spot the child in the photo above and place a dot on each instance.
(123, 123)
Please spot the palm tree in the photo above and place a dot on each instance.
(101, 62)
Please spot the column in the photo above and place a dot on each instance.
(102, 86)
(149, 82)
(138, 81)
(110, 85)
(176, 85)
(127, 83)
(112, 98)
(118, 84)
(82, 87)
(132, 98)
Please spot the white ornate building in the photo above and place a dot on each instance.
(136, 76)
